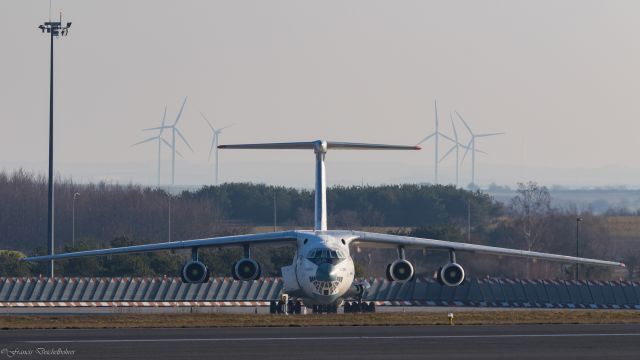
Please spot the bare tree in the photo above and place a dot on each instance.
(530, 208)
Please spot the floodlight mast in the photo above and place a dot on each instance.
(54, 29)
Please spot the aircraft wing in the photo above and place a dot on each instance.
(375, 240)
(273, 238)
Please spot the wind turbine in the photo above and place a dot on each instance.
(174, 132)
(215, 141)
(160, 140)
(436, 135)
(472, 146)
(456, 146)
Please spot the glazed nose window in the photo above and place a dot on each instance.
(322, 255)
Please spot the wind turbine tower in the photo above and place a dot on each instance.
(215, 141)
(472, 146)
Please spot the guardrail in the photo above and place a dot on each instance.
(168, 291)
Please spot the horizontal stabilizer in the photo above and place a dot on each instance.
(319, 144)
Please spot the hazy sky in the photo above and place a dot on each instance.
(560, 78)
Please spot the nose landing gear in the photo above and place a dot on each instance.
(326, 309)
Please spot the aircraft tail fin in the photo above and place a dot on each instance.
(320, 147)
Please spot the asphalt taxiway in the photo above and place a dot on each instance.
(399, 342)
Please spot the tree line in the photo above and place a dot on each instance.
(108, 215)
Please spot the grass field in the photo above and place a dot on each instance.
(468, 317)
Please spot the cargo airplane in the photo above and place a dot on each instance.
(322, 272)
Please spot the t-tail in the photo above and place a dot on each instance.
(320, 147)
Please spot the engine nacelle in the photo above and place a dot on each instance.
(246, 269)
(195, 272)
(452, 274)
(400, 270)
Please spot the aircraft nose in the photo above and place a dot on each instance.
(326, 272)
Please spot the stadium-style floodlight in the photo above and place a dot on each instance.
(578, 220)
(54, 29)
(73, 220)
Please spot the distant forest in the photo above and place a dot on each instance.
(115, 215)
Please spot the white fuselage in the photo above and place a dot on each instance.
(322, 271)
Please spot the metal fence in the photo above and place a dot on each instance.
(163, 291)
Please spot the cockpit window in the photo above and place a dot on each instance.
(320, 256)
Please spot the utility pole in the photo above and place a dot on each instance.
(73, 220)
(170, 196)
(54, 29)
(275, 212)
(469, 221)
(578, 220)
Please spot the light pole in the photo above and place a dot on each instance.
(578, 220)
(275, 213)
(54, 29)
(73, 220)
(169, 216)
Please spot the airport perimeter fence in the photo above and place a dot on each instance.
(168, 291)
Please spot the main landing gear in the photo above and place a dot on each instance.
(285, 307)
(351, 307)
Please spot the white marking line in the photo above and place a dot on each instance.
(350, 338)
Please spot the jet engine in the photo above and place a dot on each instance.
(246, 269)
(400, 270)
(195, 272)
(452, 274)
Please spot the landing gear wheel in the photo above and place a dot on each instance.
(347, 307)
(372, 307)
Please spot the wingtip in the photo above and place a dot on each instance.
(418, 147)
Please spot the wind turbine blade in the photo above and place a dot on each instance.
(465, 123)
(164, 118)
(435, 107)
(453, 125)
(183, 139)
(208, 123)
(144, 141)
(448, 138)
(180, 112)
(166, 142)
(157, 128)
(448, 152)
(426, 138)
(228, 126)
(490, 134)
(467, 148)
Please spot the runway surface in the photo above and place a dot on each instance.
(405, 342)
